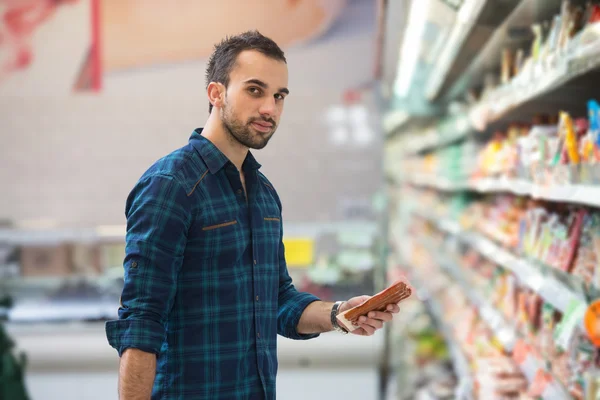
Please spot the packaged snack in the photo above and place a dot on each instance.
(536, 46)
(566, 158)
(394, 294)
(553, 35)
(592, 14)
(507, 66)
(587, 255)
(575, 224)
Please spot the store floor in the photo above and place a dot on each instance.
(76, 363)
(313, 384)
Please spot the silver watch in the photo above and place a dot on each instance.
(334, 321)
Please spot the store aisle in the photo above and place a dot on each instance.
(73, 362)
(294, 384)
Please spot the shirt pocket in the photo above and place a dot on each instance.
(219, 237)
(268, 237)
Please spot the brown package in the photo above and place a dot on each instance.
(392, 295)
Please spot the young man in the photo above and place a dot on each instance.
(206, 283)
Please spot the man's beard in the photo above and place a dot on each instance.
(243, 134)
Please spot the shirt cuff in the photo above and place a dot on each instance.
(140, 334)
(290, 316)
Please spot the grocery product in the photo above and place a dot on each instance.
(392, 295)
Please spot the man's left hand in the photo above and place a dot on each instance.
(369, 324)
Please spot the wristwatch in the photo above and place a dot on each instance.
(334, 322)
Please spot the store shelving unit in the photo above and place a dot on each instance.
(563, 81)
(460, 362)
(502, 330)
(572, 193)
(560, 293)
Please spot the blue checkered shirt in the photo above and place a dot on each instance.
(206, 283)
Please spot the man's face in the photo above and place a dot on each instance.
(254, 99)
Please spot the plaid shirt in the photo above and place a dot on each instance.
(206, 283)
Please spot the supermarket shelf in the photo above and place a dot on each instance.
(503, 332)
(577, 194)
(471, 32)
(554, 291)
(459, 360)
(542, 82)
(450, 130)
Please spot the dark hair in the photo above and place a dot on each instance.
(225, 54)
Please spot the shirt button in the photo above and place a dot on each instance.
(258, 334)
(256, 298)
(239, 191)
(134, 264)
(254, 262)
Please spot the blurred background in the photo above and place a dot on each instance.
(453, 142)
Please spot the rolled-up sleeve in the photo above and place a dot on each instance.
(158, 220)
(291, 302)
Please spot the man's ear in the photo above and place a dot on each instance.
(216, 94)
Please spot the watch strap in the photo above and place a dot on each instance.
(334, 321)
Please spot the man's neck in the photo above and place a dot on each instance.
(222, 139)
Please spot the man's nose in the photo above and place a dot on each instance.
(268, 107)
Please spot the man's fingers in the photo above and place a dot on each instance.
(393, 308)
(374, 323)
(369, 330)
(360, 332)
(383, 316)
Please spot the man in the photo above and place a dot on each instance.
(206, 284)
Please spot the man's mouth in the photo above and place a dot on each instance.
(262, 126)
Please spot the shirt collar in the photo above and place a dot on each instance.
(213, 157)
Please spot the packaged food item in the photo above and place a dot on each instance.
(551, 44)
(575, 226)
(507, 66)
(570, 16)
(545, 337)
(498, 377)
(588, 251)
(592, 14)
(394, 294)
(581, 364)
(536, 46)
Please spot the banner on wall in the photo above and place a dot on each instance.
(124, 35)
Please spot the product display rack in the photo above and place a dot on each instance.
(555, 291)
(570, 193)
(447, 162)
(460, 362)
(501, 329)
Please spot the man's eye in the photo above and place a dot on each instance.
(279, 96)
(254, 91)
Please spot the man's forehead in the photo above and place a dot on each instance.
(254, 64)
